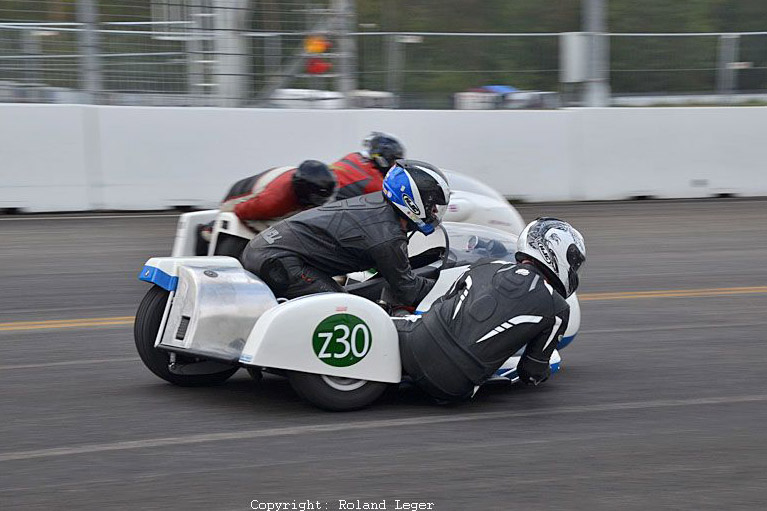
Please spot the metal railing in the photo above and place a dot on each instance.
(240, 53)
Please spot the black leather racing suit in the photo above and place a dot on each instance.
(491, 311)
(299, 255)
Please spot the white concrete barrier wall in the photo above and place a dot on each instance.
(44, 157)
(668, 152)
(60, 157)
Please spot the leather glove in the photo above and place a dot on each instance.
(532, 371)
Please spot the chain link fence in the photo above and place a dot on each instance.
(663, 64)
(425, 70)
(248, 53)
(147, 52)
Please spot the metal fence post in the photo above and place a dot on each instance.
(194, 50)
(394, 63)
(597, 93)
(231, 51)
(346, 81)
(30, 45)
(88, 38)
(728, 55)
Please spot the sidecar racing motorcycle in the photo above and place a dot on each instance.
(205, 317)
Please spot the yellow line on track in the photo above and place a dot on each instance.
(673, 293)
(586, 297)
(65, 323)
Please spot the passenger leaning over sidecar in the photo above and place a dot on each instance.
(281, 191)
(273, 194)
(492, 311)
(301, 254)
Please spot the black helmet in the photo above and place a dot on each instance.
(314, 183)
(384, 149)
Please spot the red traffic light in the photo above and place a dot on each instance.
(318, 66)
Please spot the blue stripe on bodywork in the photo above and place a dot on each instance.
(565, 341)
(158, 277)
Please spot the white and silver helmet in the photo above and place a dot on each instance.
(558, 247)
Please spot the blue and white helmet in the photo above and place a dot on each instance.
(419, 192)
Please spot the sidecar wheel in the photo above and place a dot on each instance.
(148, 318)
(335, 393)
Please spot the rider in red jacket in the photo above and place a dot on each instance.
(362, 172)
(271, 195)
(280, 192)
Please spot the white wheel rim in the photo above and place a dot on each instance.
(342, 384)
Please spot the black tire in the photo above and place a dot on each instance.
(315, 389)
(148, 318)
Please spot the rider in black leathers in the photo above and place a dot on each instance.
(494, 309)
(301, 254)
(341, 237)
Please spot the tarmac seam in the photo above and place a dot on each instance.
(365, 425)
(69, 363)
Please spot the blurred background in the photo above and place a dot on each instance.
(414, 54)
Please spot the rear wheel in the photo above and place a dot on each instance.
(148, 318)
(335, 393)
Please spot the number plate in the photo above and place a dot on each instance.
(342, 340)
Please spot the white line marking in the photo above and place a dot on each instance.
(365, 425)
(272, 463)
(70, 363)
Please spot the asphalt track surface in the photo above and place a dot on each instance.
(661, 402)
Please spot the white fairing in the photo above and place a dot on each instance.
(186, 231)
(474, 202)
(479, 209)
(285, 337)
(574, 322)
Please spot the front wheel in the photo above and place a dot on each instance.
(335, 393)
(148, 318)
